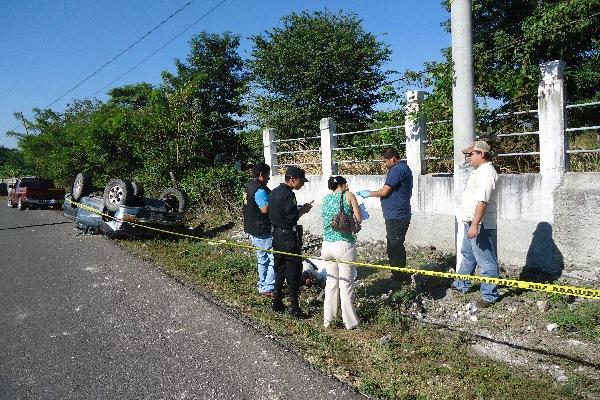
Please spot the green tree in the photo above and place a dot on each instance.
(317, 65)
(510, 41)
(131, 96)
(201, 102)
(11, 163)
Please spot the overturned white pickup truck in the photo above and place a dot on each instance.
(122, 210)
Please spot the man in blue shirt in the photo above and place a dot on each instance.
(395, 204)
(258, 225)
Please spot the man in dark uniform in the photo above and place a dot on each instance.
(258, 225)
(284, 213)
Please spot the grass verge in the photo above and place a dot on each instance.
(390, 357)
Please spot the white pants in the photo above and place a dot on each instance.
(340, 282)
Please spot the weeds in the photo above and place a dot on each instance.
(583, 317)
(390, 357)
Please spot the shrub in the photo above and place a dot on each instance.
(222, 187)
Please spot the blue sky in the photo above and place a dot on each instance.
(49, 46)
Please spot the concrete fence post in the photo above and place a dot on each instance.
(328, 144)
(552, 102)
(416, 132)
(269, 149)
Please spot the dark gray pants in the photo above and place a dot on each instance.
(396, 233)
(287, 267)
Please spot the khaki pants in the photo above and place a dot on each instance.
(339, 283)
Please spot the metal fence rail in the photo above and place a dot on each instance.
(369, 130)
(287, 165)
(584, 128)
(298, 152)
(506, 114)
(581, 151)
(440, 158)
(443, 121)
(296, 140)
(362, 161)
(430, 142)
(518, 134)
(533, 153)
(580, 105)
(365, 147)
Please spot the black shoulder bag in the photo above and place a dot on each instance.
(343, 222)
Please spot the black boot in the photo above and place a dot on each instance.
(277, 304)
(296, 311)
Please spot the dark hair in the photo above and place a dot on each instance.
(390, 153)
(335, 182)
(260, 169)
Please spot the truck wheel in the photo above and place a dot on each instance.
(117, 193)
(20, 205)
(82, 186)
(138, 189)
(175, 200)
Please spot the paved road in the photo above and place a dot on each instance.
(82, 319)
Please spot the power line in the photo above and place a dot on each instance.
(148, 57)
(121, 53)
(161, 47)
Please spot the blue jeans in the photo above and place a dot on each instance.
(266, 274)
(481, 250)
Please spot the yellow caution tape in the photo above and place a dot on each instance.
(587, 293)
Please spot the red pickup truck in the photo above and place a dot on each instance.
(35, 192)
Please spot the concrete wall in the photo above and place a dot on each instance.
(577, 224)
(537, 226)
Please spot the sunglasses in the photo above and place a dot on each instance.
(471, 153)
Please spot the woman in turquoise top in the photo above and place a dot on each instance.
(339, 246)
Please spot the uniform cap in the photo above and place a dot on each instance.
(296, 172)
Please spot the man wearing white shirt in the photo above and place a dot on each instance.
(478, 209)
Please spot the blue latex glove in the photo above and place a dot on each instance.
(363, 193)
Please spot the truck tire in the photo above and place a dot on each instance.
(175, 200)
(117, 193)
(82, 186)
(138, 189)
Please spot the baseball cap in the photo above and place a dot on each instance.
(296, 172)
(478, 145)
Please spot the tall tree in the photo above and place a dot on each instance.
(510, 41)
(11, 163)
(317, 65)
(132, 96)
(203, 99)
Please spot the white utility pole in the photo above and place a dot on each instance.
(463, 99)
